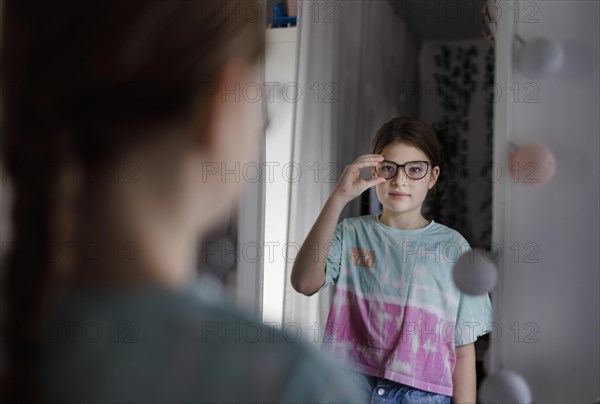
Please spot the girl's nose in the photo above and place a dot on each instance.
(399, 173)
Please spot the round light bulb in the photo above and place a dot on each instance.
(540, 57)
(532, 165)
(504, 386)
(474, 273)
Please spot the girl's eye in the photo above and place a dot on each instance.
(414, 170)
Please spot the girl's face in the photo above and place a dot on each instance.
(414, 191)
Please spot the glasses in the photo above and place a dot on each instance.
(415, 170)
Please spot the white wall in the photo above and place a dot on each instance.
(560, 293)
(280, 73)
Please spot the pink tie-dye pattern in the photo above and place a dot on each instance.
(405, 344)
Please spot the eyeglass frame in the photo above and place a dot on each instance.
(403, 166)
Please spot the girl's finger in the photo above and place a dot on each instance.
(375, 181)
(367, 163)
(369, 157)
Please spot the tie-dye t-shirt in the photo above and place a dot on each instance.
(396, 313)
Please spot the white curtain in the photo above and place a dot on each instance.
(356, 60)
(313, 148)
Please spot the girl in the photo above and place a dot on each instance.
(106, 129)
(397, 318)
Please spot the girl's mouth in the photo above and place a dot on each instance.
(398, 195)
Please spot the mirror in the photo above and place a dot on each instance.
(430, 60)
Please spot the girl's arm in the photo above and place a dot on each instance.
(308, 271)
(464, 378)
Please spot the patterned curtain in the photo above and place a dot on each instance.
(457, 95)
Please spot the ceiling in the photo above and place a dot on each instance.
(441, 19)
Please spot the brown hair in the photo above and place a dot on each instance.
(87, 82)
(410, 131)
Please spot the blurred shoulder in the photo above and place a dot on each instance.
(183, 346)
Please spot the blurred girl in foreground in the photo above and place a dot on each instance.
(110, 113)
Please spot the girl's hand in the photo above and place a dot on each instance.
(350, 185)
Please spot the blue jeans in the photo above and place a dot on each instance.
(382, 391)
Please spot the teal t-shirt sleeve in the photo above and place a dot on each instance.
(334, 257)
(474, 317)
